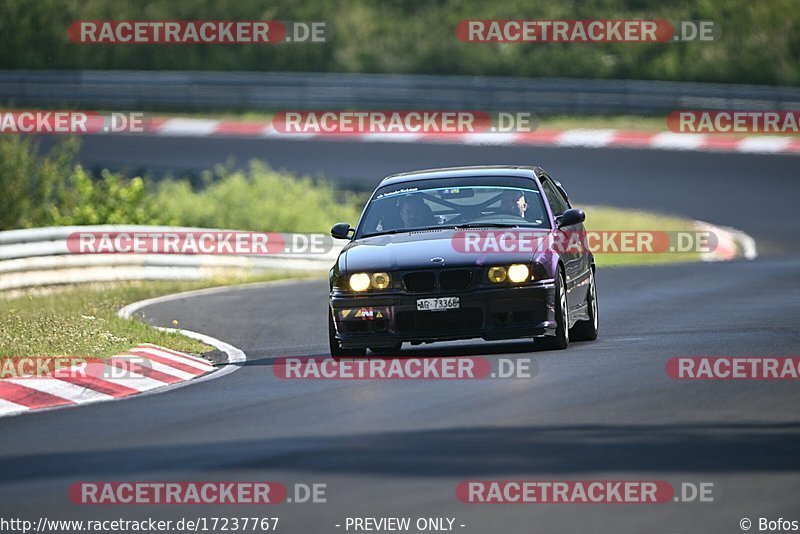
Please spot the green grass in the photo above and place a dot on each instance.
(82, 321)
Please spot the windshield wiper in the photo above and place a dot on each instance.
(406, 230)
(486, 225)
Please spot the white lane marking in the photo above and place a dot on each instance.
(171, 371)
(189, 127)
(590, 138)
(9, 408)
(490, 138)
(404, 137)
(136, 381)
(294, 136)
(205, 367)
(747, 243)
(765, 144)
(62, 389)
(677, 141)
(127, 311)
(742, 244)
(182, 355)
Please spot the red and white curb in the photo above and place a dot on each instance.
(164, 367)
(590, 138)
(731, 243)
(167, 370)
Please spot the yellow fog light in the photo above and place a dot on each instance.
(380, 280)
(359, 282)
(518, 273)
(497, 274)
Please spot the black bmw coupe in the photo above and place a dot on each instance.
(459, 253)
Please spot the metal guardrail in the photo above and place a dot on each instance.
(41, 256)
(190, 90)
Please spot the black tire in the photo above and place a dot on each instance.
(336, 350)
(587, 330)
(560, 341)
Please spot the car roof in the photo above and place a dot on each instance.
(522, 171)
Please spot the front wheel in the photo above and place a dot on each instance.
(336, 350)
(561, 312)
(587, 330)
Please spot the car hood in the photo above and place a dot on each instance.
(415, 250)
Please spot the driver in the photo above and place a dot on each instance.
(513, 203)
(414, 212)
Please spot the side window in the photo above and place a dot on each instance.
(555, 199)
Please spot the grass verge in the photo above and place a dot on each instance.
(82, 321)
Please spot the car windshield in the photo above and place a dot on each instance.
(439, 204)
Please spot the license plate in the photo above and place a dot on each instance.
(445, 303)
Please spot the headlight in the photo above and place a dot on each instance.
(497, 274)
(518, 273)
(381, 280)
(359, 282)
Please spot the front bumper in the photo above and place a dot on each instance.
(383, 320)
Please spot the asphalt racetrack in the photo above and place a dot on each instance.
(605, 410)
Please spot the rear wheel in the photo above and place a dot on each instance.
(336, 350)
(561, 312)
(587, 330)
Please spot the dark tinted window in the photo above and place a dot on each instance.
(557, 202)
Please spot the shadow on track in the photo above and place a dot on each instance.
(459, 452)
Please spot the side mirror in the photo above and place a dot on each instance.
(341, 230)
(570, 217)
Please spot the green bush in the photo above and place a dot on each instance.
(256, 199)
(759, 44)
(51, 190)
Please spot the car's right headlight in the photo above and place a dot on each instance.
(359, 281)
(381, 280)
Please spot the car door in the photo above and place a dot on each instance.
(576, 260)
